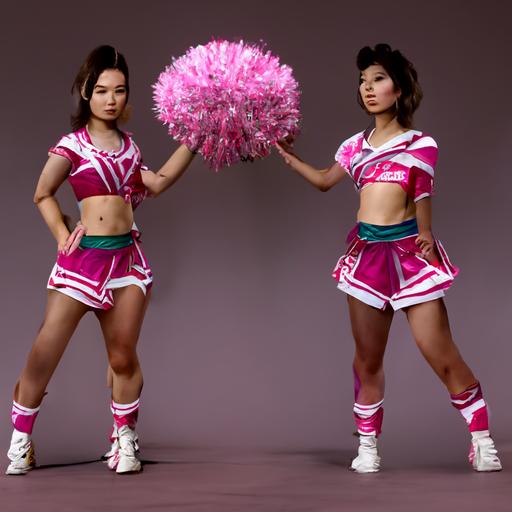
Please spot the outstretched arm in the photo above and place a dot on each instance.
(158, 182)
(323, 179)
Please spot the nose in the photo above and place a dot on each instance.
(369, 86)
(111, 99)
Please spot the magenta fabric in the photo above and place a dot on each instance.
(125, 414)
(90, 275)
(95, 172)
(409, 160)
(473, 408)
(394, 273)
(369, 418)
(23, 418)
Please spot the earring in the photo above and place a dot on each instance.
(83, 88)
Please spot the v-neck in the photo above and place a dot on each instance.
(112, 152)
(391, 142)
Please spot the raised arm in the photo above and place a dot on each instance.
(158, 182)
(322, 179)
(52, 176)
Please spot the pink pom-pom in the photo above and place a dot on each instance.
(228, 101)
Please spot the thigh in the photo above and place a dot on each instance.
(431, 328)
(370, 327)
(62, 315)
(122, 323)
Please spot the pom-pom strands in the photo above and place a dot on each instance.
(230, 102)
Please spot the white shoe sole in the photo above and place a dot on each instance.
(127, 465)
(362, 468)
(17, 472)
(488, 468)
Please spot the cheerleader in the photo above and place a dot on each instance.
(101, 266)
(392, 260)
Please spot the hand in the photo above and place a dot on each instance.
(73, 240)
(286, 151)
(425, 241)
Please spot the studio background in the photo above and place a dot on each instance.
(247, 340)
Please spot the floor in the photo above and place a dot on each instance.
(193, 480)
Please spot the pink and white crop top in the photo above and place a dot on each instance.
(407, 159)
(95, 172)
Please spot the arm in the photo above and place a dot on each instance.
(425, 240)
(158, 182)
(52, 176)
(323, 179)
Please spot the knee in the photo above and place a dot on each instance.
(123, 361)
(368, 365)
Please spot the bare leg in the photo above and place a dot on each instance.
(121, 327)
(61, 319)
(431, 330)
(370, 327)
(110, 377)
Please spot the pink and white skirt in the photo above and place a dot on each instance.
(89, 274)
(393, 271)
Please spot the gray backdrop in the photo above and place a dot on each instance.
(247, 341)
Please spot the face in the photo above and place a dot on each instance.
(377, 89)
(109, 95)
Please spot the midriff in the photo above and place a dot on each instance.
(384, 204)
(106, 215)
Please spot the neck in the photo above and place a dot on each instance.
(386, 122)
(95, 125)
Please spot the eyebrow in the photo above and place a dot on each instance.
(375, 73)
(98, 86)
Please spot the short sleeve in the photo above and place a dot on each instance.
(68, 148)
(348, 150)
(420, 158)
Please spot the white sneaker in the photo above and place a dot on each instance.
(21, 454)
(367, 460)
(483, 454)
(128, 453)
(112, 456)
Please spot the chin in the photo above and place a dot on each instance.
(378, 110)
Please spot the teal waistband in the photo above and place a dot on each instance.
(375, 233)
(106, 242)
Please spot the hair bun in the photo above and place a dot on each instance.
(383, 48)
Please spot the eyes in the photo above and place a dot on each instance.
(377, 78)
(102, 90)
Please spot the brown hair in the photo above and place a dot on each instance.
(403, 74)
(101, 58)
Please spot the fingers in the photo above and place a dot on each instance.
(80, 232)
(74, 238)
(283, 154)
